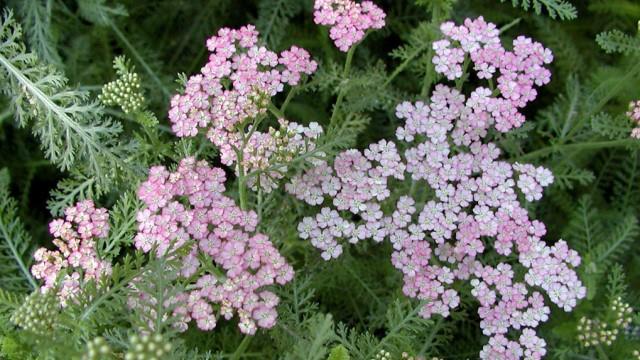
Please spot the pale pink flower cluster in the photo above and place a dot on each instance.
(475, 209)
(348, 20)
(187, 210)
(518, 71)
(634, 114)
(233, 91)
(76, 261)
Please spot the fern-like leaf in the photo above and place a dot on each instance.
(615, 41)
(568, 176)
(585, 228)
(71, 190)
(626, 185)
(560, 9)
(274, 17)
(15, 243)
(70, 127)
(615, 245)
(313, 343)
(10, 300)
(612, 127)
(417, 50)
(36, 15)
(97, 12)
(122, 226)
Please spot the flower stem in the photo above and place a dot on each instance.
(275, 111)
(578, 146)
(345, 75)
(140, 60)
(242, 184)
(242, 347)
(601, 352)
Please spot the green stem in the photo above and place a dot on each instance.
(15, 254)
(510, 25)
(287, 100)
(429, 76)
(578, 146)
(393, 332)
(345, 75)
(242, 185)
(275, 111)
(463, 78)
(140, 60)
(434, 331)
(405, 63)
(603, 355)
(242, 347)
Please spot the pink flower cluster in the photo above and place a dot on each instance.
(348, 20)
(76, 261)
(518, 71)
(231, 95)
(187, 210)
(634, 114)
(474, 210)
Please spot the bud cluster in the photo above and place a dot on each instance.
(37, 314)
(98, 349)
(148, 347)
(385, 355)
(123, 92)
(594, 332)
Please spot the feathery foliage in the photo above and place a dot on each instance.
(85, 88)
(15, 244)
(560, 9)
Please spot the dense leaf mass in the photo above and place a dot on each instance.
(319, 179)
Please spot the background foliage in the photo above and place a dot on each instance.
(59, 144)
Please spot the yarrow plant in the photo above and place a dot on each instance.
(349, 20)
(230, 98)
(426, 216)
(76, 261)
(475, 209)
(187, 208)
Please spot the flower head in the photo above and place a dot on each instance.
(187, 211)
(348, 20)
(475, 205)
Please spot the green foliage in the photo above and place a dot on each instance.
(313, 343)
(339, 352)
(274, 17)
(122, 226)
(70, 127)
(56, 57)
(98, 12)
(560, 9)
(36, 17)
(615, 41)
(15, 243)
